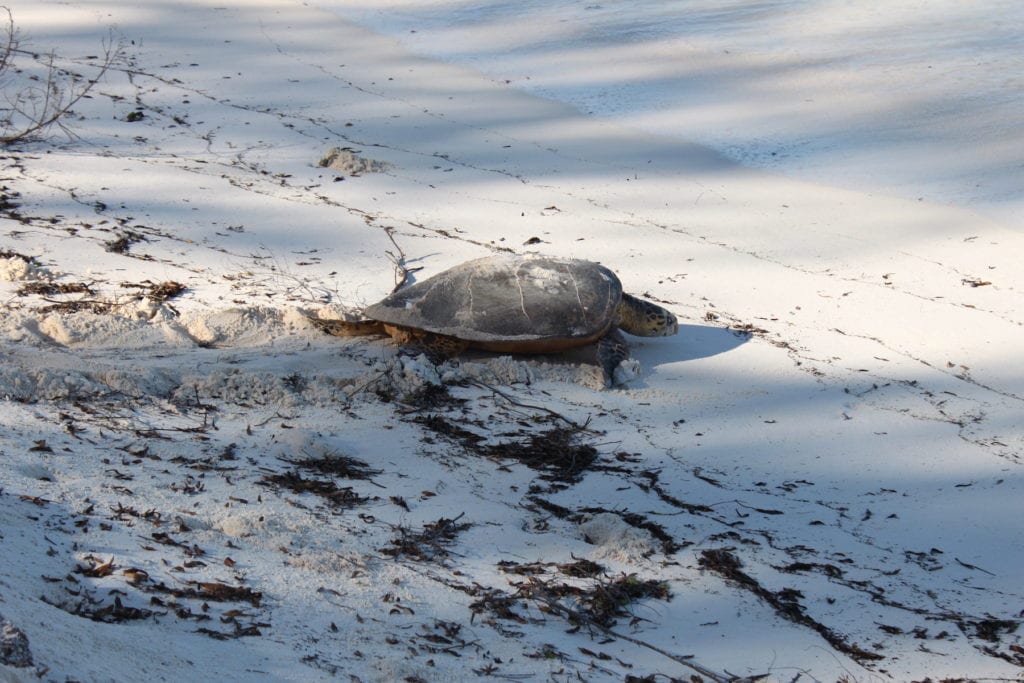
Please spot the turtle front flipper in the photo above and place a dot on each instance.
(612, 349)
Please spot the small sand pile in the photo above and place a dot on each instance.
(617, 540)
(14, 649)
(16, 267)
(348, 162)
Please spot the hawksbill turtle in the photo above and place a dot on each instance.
(514, 304)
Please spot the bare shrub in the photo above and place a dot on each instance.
(41, 95)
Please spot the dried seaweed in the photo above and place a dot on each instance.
(335, 464)
(785, 602)
(123, 243)
(430, 397)
(215, 591)
(45, 288)
(444, 427)
(429, 543)
(556, 452)
(497, 604)
(240, 630)
(989, 629)
(78, 306)
(601, 602)
(158, 292)
(115, 612)
(578, 568)
(559, 511)
(222, 592)
(337, 496)
(8, 253)
(90, 608)
(97, 568)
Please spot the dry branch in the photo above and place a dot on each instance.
(402, 271)
(36, 103)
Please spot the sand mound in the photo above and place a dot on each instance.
(617, 540)
(348, 162)
(15, 268)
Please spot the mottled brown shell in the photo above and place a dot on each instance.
(504, 301)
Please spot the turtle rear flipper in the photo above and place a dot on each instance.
(347, 328)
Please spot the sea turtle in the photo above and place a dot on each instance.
(514, 304)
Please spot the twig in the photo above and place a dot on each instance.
(402, 271)
(11, 43)
(277, 415)
(582, 427)
(44, 106)
(368, 383)
(577, 617)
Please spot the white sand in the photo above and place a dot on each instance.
(862, 446)
(911, 99)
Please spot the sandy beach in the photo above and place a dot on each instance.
(817, 479)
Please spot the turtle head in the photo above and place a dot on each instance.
(644, 319)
